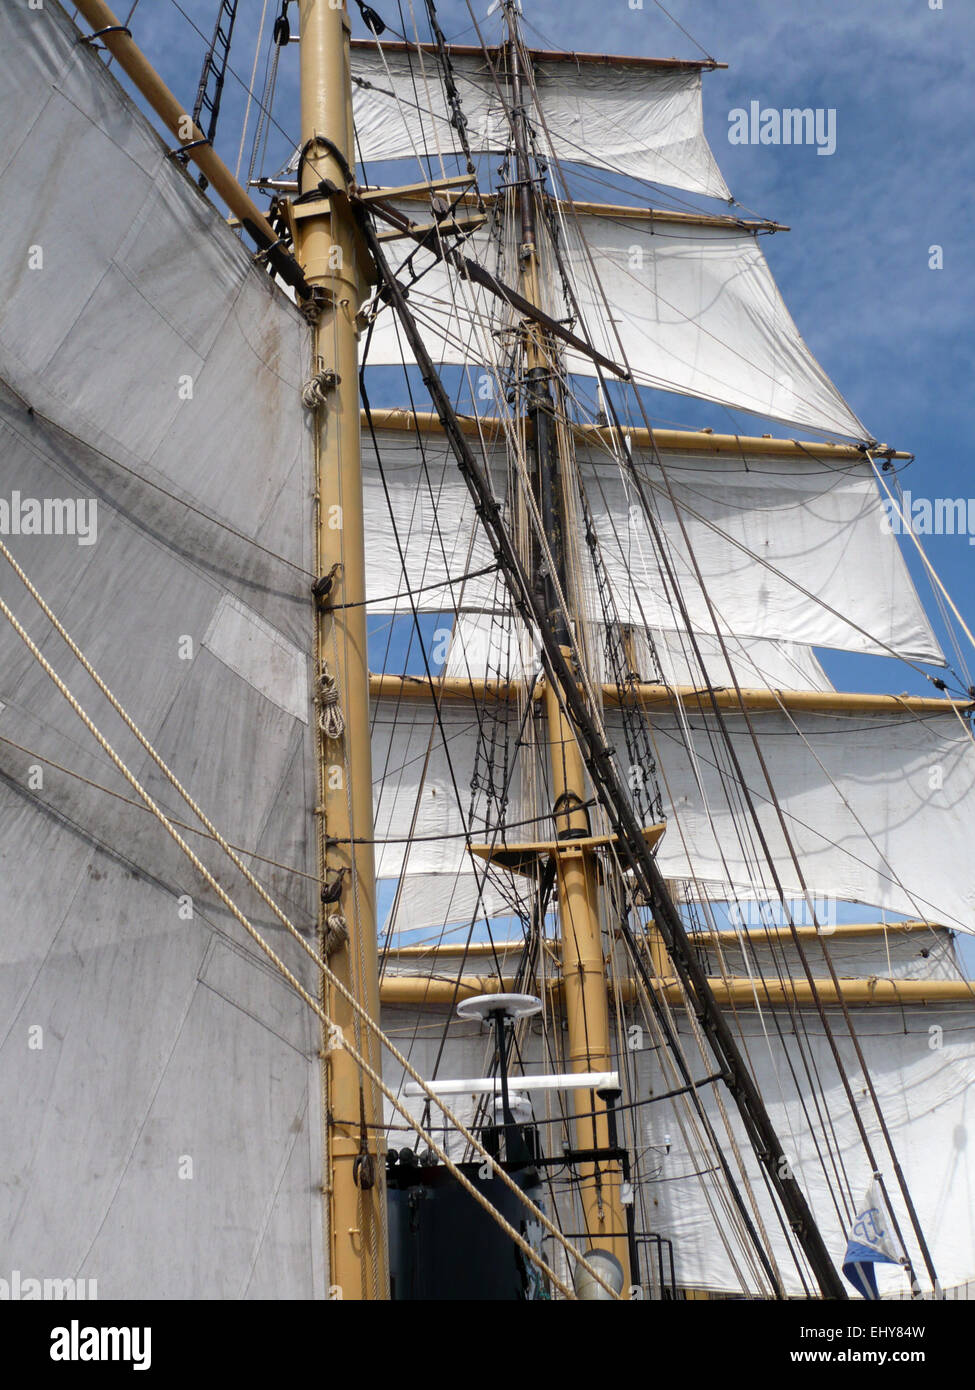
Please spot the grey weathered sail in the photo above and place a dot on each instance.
(159, 1082)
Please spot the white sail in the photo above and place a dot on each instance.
(691, 309)
(445, 905)
(877, 807)
(785, 549)
(696, 310)
(159, 1081)
(924, 1094)
(789, 549)
(633, 117)
(489, 646)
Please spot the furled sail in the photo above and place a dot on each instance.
(876, 806)
(693, 309)
(159, 1081)
(789, 549)
(639, 118)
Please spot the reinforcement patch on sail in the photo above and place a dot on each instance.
(159, 1081)
(260, 655)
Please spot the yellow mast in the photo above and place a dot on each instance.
(327, 248)
(586, 1007)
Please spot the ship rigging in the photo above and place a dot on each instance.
(597, 782)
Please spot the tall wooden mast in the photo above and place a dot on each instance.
(334, 266)
(583, 966)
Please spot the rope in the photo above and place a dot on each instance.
(315, 391)
(336, 933)
(935, 579)
(252, 931)
(331, 720)
(250, 92)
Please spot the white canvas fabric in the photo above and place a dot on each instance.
(863, 809)
(689, 309)
(697, 311)
(876, 807)
(794, 550)
(789, 550)
(644, 122)
(165, 1139)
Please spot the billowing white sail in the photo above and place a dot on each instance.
(877, 807)
(635, 117)
(696, 310)
(789, 549)
(159, 1086)
(691, 309)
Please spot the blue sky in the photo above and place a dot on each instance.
(895, 335)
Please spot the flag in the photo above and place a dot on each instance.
(870, 1243)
